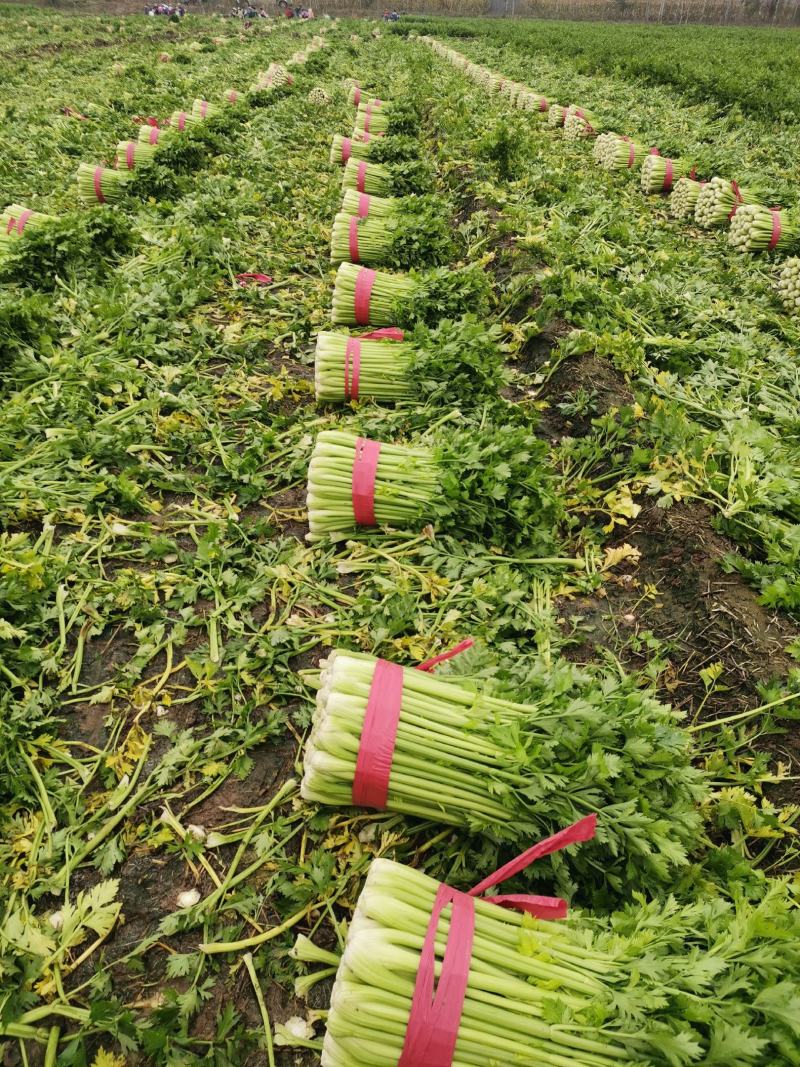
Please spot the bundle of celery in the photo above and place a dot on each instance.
(755, 228)
(460, 360)
(357, 98)
(494, 483)
(602, 145)
(659, 173)
(789, 284)
(579, 126)
(557, 115)
(619, 153)
(658, 984)
(17, 220)
(185, 120)
(392, 118)
(530, 101)
(416, 232)
(100, 185)
(204, 110)
(363, 204)
(359, 147)
(366, 297)
(403, 178)
(154, 135)
(232, 96)
(133, 154)
(684, 196)
(718, 202)
(592, 742)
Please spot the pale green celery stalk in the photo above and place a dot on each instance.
(382, 372)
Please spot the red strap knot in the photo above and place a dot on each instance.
(22, 221)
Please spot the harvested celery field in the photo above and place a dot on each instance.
(332, 350)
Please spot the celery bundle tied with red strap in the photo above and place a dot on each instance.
(719, 200)
(402, 178)
(684, 196)
(495, 484)
(133, 154)
(461, 361)
(16, 221)
(660, 173)
(755, 228)
(434, 977)
(363, 296)
(581, 740)
(789, 285)
(415, 232)
(100, 185)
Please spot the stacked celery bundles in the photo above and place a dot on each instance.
(366, 297)
(755, 228)
(462, 360)
(658, 984)
(17, 220)
(719, 200)
(401, 179)
(684, 197)
(414, 232)
(660, 173)
(99, 185)
(494, 483)
(789, 284)
(592, 742)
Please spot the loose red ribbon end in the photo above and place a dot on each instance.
(253, 279)
(386, 333)
(429, 664)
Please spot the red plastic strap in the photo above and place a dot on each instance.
(155, 133)
(363, 293)
(347, 148)
(233, 96)
(352, 368)
(354, 238)
(363, 205)
(581, 114)
(435, 1017)
(693, 173)
(357, 96)
(429, 664)
(583, 830)
(367, 120)
(98, 188)
(365, 470)
(654, 152)
(364, 137)
(182, 120)
(378, 735)
(667, 182)
(361, 176)
(386, 333)
(203, 108)
(250, 278)
(12, 222)
(152, 121)
(776, 227)
(23, 219)
(130, 155)
(738, 199)
(543, 104)
(631, 153)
